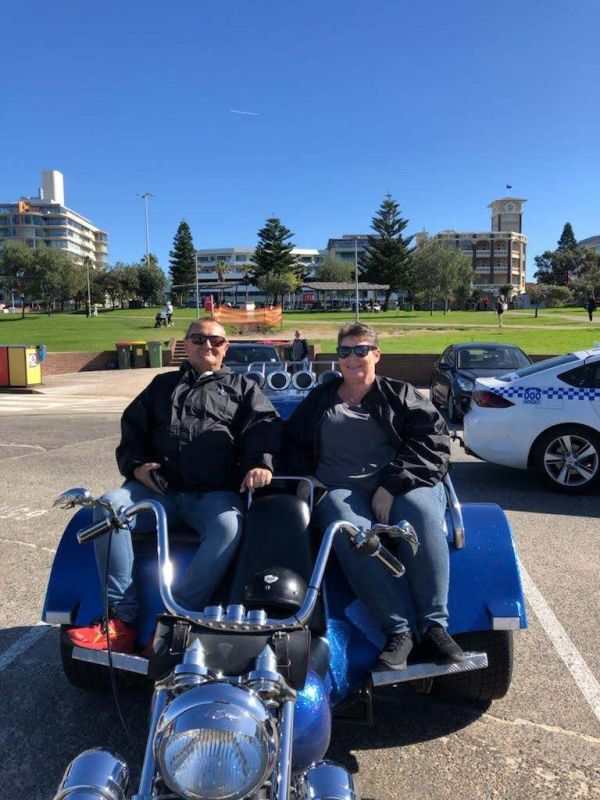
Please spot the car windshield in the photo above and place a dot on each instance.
(541, 366)
(248, 355)
(492, 358)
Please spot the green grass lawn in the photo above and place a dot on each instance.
(414, 332)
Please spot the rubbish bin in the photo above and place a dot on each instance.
(155, 354)
(138, 354)
(24, 367)
(4, 366)
(124, 355)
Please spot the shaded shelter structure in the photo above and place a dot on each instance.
(325, 290)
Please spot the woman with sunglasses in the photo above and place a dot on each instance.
(380, 450)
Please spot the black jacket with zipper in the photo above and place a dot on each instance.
(206, 432)
(412, 424)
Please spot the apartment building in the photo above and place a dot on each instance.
(46, 219)
(498, 255)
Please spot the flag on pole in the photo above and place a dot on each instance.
(508, 186)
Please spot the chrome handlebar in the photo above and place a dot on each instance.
(235, 617)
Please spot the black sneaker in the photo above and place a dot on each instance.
(395, 652)
(438, 645)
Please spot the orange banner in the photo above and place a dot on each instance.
(270, 317)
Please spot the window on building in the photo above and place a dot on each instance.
(465, 244)
(483, 244)
(241, 259)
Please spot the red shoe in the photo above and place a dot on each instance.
(121, 635)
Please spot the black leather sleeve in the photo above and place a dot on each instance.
(259, 428)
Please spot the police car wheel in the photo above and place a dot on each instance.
(568, 458)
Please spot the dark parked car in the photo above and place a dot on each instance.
(455, 371)
(241, 354)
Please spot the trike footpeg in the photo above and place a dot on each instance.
(428, 669)
(124, 661)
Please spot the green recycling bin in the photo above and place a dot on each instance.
(138, 354)
(155, 354)
(124, 355)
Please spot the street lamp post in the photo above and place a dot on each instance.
(357, 313)
(145, 196)
(197, 288)
(86, 261)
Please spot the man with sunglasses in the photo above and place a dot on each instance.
(380, 450)
(194, 439)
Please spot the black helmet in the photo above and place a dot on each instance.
(280, 591)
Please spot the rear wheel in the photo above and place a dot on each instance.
(568, 458)
(480, 686)
(80, 673)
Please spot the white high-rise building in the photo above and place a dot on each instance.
(46, 219)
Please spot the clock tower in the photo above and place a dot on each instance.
(507, 214)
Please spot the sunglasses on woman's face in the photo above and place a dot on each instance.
(360, 350)
(203, 338)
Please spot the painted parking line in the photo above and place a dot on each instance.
(571, 657)
(23, 644)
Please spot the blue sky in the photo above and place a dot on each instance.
(439, 103)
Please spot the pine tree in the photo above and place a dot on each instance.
(567, 239)
(387, 254)
(182, 259)
(274, 268)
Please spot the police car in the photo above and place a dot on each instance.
(545, 416)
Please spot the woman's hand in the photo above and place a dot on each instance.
(303, 490)
(382, 505)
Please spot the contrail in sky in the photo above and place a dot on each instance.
(246, 113)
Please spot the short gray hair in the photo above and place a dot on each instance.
(196, 322)
(358, 329)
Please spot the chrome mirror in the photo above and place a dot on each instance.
(74, 497)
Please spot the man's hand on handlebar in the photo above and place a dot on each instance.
(146, 474)
(256, 478)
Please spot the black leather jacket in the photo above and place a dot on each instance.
(206, 432)
(412, 423)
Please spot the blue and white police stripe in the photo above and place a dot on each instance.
(534, 394)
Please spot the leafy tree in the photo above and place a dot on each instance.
(182, 260)
(151, 279)
(16, 265)
(538, 294)
(440, 272)
(387, 255)
(273, 264)
(335, 270)
(221, 268)
(121, 282)
(567, 239)
(557, 296)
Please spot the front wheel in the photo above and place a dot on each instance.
(568, 458)
(480, 686)
(451, 410)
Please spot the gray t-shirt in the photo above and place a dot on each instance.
(353, 448)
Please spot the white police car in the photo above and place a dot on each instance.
(545, 416)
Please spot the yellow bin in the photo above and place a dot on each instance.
(24, 366)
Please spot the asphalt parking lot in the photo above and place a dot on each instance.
(541, 741)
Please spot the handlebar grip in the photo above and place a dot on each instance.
(93, 531)
(389, 561)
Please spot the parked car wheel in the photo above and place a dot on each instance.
(480, 686)
(568, 458)
(451, 409)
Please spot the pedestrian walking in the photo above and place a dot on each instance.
(501, 307)
(591, 306)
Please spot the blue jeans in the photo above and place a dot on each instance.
(418, 599)
(216, 517)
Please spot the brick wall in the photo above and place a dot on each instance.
(58, 363)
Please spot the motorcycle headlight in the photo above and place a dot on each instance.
(216, 742)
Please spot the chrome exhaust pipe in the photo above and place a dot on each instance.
(94, 775)
(327, 780)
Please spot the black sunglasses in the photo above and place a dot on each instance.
(360, 350)
(202, 338)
